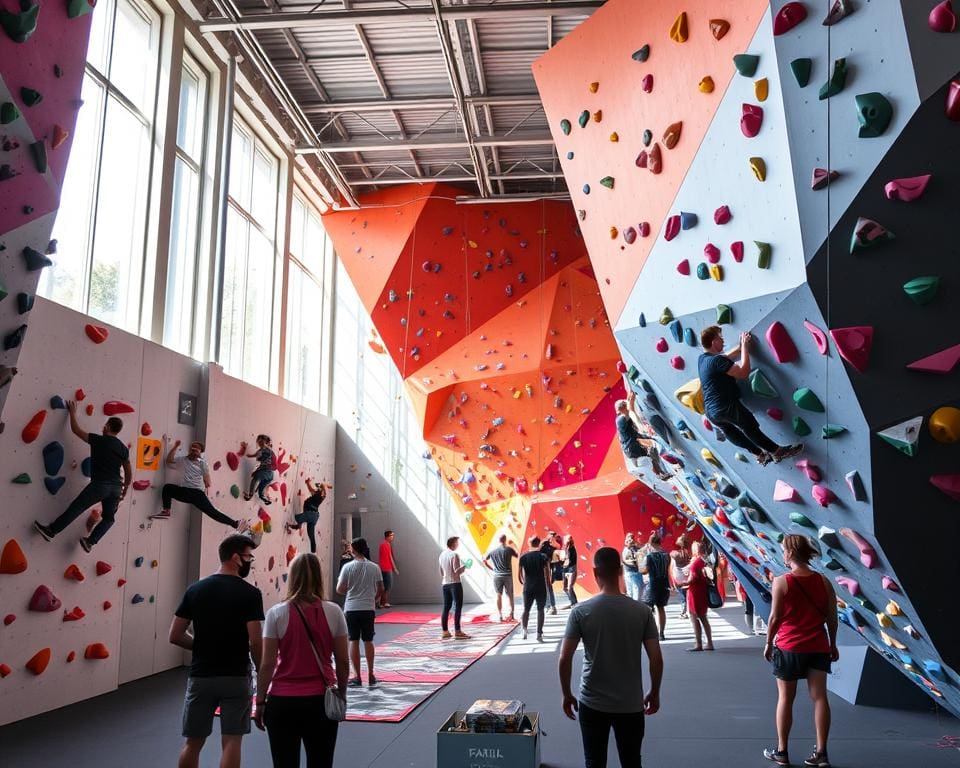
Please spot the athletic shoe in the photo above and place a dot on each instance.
(461, 636)
(786, 451)
(553, 611)
(43, 530)
(163, 514)
(524, 634)
(85, 544)
(663, 636)
(373, 682)
(764, 458)
(818, 759)
(355, 682)
(445, 635)
(780, 758)
(539, 637)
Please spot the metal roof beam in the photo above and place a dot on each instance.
(394, 180)
(518, 139)
(424, 103)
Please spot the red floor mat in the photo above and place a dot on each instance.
(406, 617)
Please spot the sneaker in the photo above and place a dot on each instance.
(243, 526)
(780, 758)
(163, 514)
(373, 682)
(553, 611)
(818, 759)
(662, 636)
(85, 544)
(524, 634)
(354, 682)
(786, 451)
(445, 635)
(539, 637)
(462, 636)
(764, 458)
(43, 530)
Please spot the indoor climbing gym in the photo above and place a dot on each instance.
(479, 383)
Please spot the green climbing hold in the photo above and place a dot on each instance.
(8, 112)
(703, 271)
(874, 113)
(647, 137)
(22, 479)
(746, 64)
(760, 385)
(3, 291)
(666, 317)
(38, 151)
(77, 8)
(800, 427)
(30, 97)
(641, 54)
(19, 26)
(565, 127)
(764, 254)
(584, 118)
(801, 71)
(235, 491)
(828, 431)
(724, 314)
(837, 80)
(798, 518)
(779, 538)
(607, 181)
(922, 289)
(632, 373)
(806, 399)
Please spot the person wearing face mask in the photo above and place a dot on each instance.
(226, 613)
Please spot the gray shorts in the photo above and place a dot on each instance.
(503, 583)
(234, 696)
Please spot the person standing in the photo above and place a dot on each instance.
(346, 555)
(611, 686)
(631, 568)
(570, 569)
(194, 484)
(108, 455)
(388, 568)
(681, 557)
(450, 570)
(300, 635)
(656, 567)
(311, 512)
(500, 561)
(696, 587)
(534, 572)
(549, 547)
(225, 612)
(361, 582)
(800, 646)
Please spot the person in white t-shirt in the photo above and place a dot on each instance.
(194, 484)
(450, 570)
(361, 581)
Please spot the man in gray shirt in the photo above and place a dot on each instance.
(361, 581)
(612, 628)
(500, 561)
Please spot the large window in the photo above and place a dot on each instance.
(246, 322)
(102, 220)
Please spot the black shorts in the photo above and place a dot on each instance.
(656, 595)
(788, 665)
(360, 625)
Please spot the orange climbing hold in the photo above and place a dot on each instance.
(96, 333)
(38, 662)
(32, 431)
(13, 560)
(944, 424)
(73, 572)
(96, 651)
(680, 31)
(113, 407)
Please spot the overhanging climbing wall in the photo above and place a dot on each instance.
(748, 163)
(493, 317)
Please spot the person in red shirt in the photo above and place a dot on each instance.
(800, 646)
(696, 597)
(388, 567)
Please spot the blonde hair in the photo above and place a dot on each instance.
(305, 582)
(798, 548)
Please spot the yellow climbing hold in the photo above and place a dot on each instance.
(707, 455)
(594, 87)
(893, 609)
(614, 136)
(706, 85)
(759, 168)
(884, 621)
(944, 424)
(679, 32)
(761, 89)
(716, 272)
(891, 641)
(691, 396)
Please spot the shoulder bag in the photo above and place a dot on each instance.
(333, 705)
(713, 593)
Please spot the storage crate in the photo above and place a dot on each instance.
(465, 749)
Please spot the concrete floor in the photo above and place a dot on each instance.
(717, 709)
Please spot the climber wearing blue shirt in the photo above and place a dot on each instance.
(721, 397)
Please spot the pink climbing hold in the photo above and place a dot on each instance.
(949, 484)
(868, 555)
(822, 178)
(780, 343)
(677, 362)
(785, 492)
(775, 413)
(712, 253)
(854, 344)
(722, 215)
(707, 425)
(647, 83)
(43, 600)
(684, 267)
(811, 470)
(823, 495)
(113, 407)
(851, 585)
(141, 485)
(673, 228)
(788, 17)
(952, 107)
(737, 250)
(644, 228)
(908, 189)
(939, 362)
(751, 120)
(942, 18)
(887, 583)
(662, 345)
(819, 337)
(233, 461)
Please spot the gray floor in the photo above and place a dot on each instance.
(717, 709)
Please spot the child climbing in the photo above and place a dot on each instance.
(263, 475)
(108, 455)
(721, 397)
(311, 511)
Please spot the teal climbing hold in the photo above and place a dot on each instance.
(8, 112)
(3, 292)
(642, 53)
(677, 330)
(647, 137)
(19, 26)
(703, 271)
(15, 338)
(798, 518)
(608, 182)
(632, 373)
(235, 491)
(54, 484)
(35, 260)
(24, 302)
(724, 314)
(806, 399)
(85, 466)
(22, 479)
(584, 118)
(138, 562)
(30, 97)
(837, 80)
(874, 112)
(801, 71)
(566, 127)
(52, 457)
(922, 289)
(800, 427)
(764, 254)
(760, 385)
(153, 598)
(746, 64)
(690, 337)
(77, 8)
(829, 431)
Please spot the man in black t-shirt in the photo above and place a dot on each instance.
(108, 455)
(721, 397)
(548, 546)
(226, 613)
(534, 574)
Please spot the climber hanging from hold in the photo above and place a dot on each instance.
(721, 397)
(635, 445)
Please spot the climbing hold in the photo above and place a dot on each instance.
(908, 189)
(12, 559)
(666, 317)
(57, 404)
(8, 112)
(829, 431)
(672, 228)
(690, 396)
(868, 555)
(672, 134)
(597, 116)
(837, 80)
(851, 585)
(952, 106)
(722, 215)
(828, 536)
(949, 484)
(642, 321)
(838, 12)
(761, 89)
(874, 113)
(688, 220)
(74, 573)
(746, 64)
(646, 84)
(867, 234)
(74, 615)
(785, 492)
(764, 254)
(724, 314)
(759, 168)
(706, 84)
(96, 333)
(806, 399)
(775, 413)
(760, 385)
(641, 54)
(801, 71)
(679, 31)
(812, 471)
(138, 562)
(607, 181)
(25, 302)
(780, 343)
(60, 135)
(30, 97)
(38, 662)
(141, 485)
(854, 344)
(788, 17)
(884, 621)
(684, 267)
(893, 608)
(922, 289)
(708, 456)
(566, 127)
(137, 598)
(676, 328)
(85, 466)
(15, 338)
(54, 484)
(19, 26)
(941, 18)
(716, 272)
(103, 568)
(798, 518)
(940, 362)
(800, 427)
(703, 271)
(655, 160)
(113, 407)
(52, 457)
(677, 362)
(35, 260)
(823, 496)
(719, 28)
(43, 600)
(822, 178)
(22, 479)
(689, 337)
(944, 424)
(96, 651)
(9, 619)
(819, 337)
(662, 345)
(751, 120)
(38, 152)
(32, 431)
(855, 484)
(644, 228)
(737, 250)
(904, 436)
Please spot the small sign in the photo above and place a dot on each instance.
(187, 409)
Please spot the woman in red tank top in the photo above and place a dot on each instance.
(801, 643)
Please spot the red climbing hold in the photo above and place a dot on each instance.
(939, 362)
(146, 429)
(96, 651)
(854, 345)
(788, 17)
(113, 407)
(819, 337)
(949, 484)
(38, 662)
(751, 120)
(5, 670)
(908, 189)
(283, 494)
(121, 582)
(107, 605)
(71, 657)
(79, 395)
(953, 100)
(60, 135)
(216, 465)
(644, 229)
(291, 553)
(712, 253)
(737, 250)
(74, 573)
(780, 343)
(233, 461)
(32, 431)
(103, 568)
(722, 215)
(662, 345)
(942, 18)
(43, 600)
(89, 409)
(684, 267)
(96, 333)
(141, 485)
(12, 559)
(775, 413)
(673, 228)
(75, 615)
(677, 362)
(9, 619)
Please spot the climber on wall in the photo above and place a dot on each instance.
(262, 476)
(721, 397)
(635, 446)
(108, 455)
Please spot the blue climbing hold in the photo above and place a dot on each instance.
(642, 322)
(54, 484)
(137, 598)
(677, 330)
(687, 220)
(52, 457)
(85, 467)
(138, 562)
(690, 337)
(57, 404)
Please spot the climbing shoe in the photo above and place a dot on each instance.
(85, 544)
(786, 451)
(818, 759)
(764, 458)
(43, 530)
(780, 758)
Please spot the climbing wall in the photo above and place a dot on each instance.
(41, 69)
(787, 168)
(493, 316)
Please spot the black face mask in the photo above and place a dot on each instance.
(245, 569)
